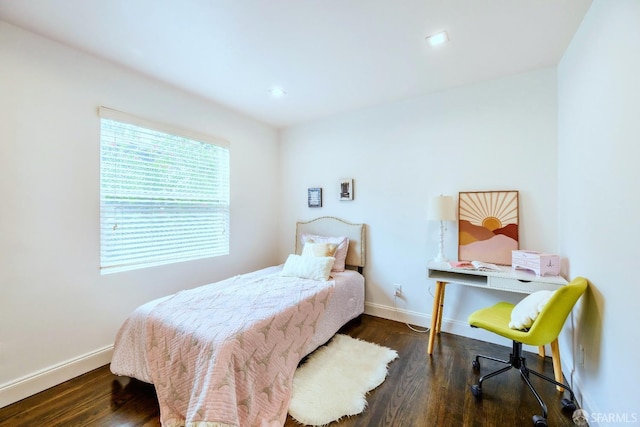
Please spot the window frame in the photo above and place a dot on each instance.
(217, 227)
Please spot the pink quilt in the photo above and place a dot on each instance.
(225, 354)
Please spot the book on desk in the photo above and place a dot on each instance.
(475, 265)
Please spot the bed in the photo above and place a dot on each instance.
(224, 354)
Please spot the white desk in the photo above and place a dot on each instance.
(510, 280)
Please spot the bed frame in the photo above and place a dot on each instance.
(332, 226)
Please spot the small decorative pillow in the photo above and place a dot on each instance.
(308, 267)
(527, 310)
(319, 249)
(341, 251)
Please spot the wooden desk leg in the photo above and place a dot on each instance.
(557, 366)
(435, 315)
(541, 351)
(440, 309)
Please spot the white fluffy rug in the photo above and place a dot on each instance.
(335, 379)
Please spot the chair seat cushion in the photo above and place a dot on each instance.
(496, 319)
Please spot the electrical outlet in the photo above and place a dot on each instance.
(398, 290)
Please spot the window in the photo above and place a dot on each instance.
(164, 194)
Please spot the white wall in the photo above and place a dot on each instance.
(58, 315)
(599, 200)
(496, 135)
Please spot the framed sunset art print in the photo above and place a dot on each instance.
(487, 226)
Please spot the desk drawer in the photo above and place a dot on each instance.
(515, 285)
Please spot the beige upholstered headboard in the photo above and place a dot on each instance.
(331, 226)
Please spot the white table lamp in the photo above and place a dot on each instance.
(442, 208)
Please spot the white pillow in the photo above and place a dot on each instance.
(308, 267)
(341, 251)
(527, 310)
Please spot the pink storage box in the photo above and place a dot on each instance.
(540, 263)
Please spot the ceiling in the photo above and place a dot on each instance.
(330, 56)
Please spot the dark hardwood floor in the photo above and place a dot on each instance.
(419, 390)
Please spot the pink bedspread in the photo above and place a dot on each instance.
(226, 356)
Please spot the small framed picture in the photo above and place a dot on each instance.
(346, 189)
(314, 197)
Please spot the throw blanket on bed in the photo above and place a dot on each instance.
(225, 354)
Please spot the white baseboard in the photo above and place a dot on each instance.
(455, 327)
(398, 315)
(583, 398)
(39, 381)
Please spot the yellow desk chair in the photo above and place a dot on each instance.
(545, 329)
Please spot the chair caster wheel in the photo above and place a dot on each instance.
(539, 421)
(476, 391)
(568, 405)
(476, 365)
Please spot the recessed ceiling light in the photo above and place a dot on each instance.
(277, 92)
(438, 38)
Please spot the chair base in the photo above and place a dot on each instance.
(518, 361)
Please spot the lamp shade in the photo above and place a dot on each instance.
(442, 208)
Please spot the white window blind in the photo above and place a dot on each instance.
(164, 194)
